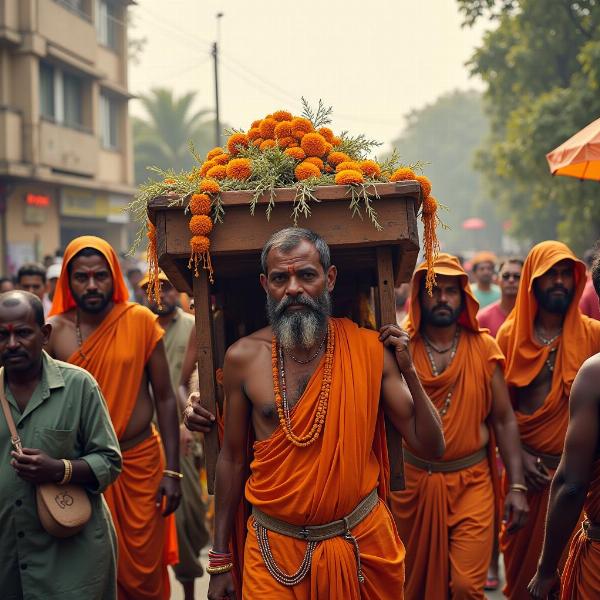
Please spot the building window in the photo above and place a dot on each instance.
(108, 24)
(79, 7)
(61, 96)
(109, 119)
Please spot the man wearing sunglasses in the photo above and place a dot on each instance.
(492, 316)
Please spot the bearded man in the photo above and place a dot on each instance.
(314, 390)
(446, 513)
(545, 340)
(120, 344)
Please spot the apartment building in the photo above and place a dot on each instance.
(66, 166)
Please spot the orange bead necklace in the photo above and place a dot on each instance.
(281, 401)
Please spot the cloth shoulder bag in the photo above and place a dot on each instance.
(63, 510)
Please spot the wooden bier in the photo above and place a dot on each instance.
(367, 259)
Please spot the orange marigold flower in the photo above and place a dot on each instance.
(200, 244)
(201, 225)
(239, 168)
(300, 126)
(253, 133)
(282, 115)
(328, 169)
(425, 185)
(267, 144)
(335, 158)
(217, 172)
(222, 159)
(200, 204)
(294, 144)
(430, 205)
(402, 174)
(236, 142)
(284, 142)
(315, 160)
(205, 167)
(370, 168)
(328, 148)
(313, 144)
(256, 124)
(214, 152)
(257, 142)
(326, 133)
(267, 128)
(209, 186)
(283, 129)
(348, 176)
(336, 141)
(353, 165)
(305, 170)
(295, 152)
(168, 181)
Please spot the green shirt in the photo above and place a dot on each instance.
(176, 339)
(66, 417)
(484, 298)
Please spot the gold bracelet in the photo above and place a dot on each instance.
(68, 472)
(173, 474)
(518, 487)
(218, 570)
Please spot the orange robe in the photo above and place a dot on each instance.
(116, 354)
(581, 577)
(545, 429)
(446, 519)
(325, 481)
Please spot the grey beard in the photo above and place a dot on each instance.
(303, 328)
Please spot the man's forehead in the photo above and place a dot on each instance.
(511, 266)
(447, 280)
(85, 263)
(304, 253)
(565, 263)
(16, 311)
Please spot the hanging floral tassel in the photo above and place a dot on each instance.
(431, 243)
(153, 287)
(200, 256)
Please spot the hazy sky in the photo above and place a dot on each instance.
(372, 60)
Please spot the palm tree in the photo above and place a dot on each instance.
(162, 139)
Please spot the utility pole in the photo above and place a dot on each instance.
(215, 55)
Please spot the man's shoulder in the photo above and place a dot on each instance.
(70, 373)
(490, 309)
(246, 347)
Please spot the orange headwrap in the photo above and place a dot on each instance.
(525, 355)
(482, 257)
(63, 299)
(445, 264)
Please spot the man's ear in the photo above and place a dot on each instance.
(331, 277)
(46, 332)
(263, 282)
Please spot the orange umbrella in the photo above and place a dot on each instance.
(579, 156)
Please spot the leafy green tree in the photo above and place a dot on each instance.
(162, 139)
(446, 135)
(541, 65)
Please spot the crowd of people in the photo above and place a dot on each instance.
(489, 378)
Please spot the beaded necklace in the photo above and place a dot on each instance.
(428, 347)
(552, 352)
(79, 336)
(281, 399)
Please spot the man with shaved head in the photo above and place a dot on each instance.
(62, 422)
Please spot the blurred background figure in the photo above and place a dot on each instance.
(589, 300)
(402, 294)
(52, 275)
(484, 288)
(6, 285)
(494, 314)
(31, 277)
(134, 278)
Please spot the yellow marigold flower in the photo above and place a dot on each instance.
(353, 165)
(222, 159)
(315, 160)
(209, 186)
(200, 204)
(305, 170)
(267, 144)
(402, 174)
(205, 167)
(430, 205)
(335, 158)
(267, 128)
(284, 142)
(236, 142)
(336, 141)
(239, 168)
(370, 168)
(253, 133)
(296, 153)
(200, 244)
(214, 152)
(349, 176)
(201, 225)
(283, 129)
(256, 124)
(326, 133)
(425, 185)
(282, 115)
(300, 126)
(313, 144)
(217, 172)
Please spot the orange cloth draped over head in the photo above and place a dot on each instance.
(544, 430)
(581, 576)
(325, 481)
(446, 519)
(116, 354)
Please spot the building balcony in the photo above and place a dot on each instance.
(11, 141)
(9, 22)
